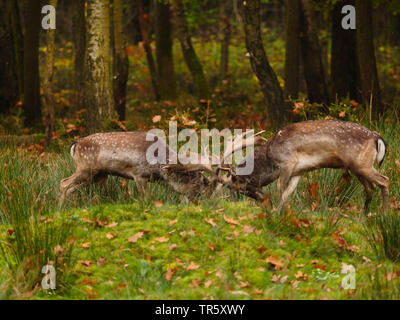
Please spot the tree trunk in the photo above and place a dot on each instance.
(189, 54)
(48, 82)
(165, 62)
(79, 36)
(144, 29)
(99, 92)
(10, 86)
(273, 95)
(31, 64)
(344, 64)
(226, 13)
(366, 56)
(311, 51)
(121, 62)
(293, 52)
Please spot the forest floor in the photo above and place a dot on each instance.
(107, 243)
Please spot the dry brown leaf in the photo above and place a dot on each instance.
(172, 222)
(112, 225)
(86, 245)
(136, 237)
(156, 119)
(86, 263)
(162, 239)
(168, 275)
(173, 246)
(110, 236)
(248, 229)
(275, 261)
(158, 203)
(101, 262)
(231, 221)
(192, 266)
(208, 283)
(210, 221)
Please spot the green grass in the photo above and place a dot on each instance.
(217, 248)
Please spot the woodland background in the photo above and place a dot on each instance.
(116, 65)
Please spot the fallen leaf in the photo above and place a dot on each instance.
(101, 262)
(172, 222)
(210, 221)
(112, 225)
(196, 283)
(86, 245)
(301, 275)
(158, 203)
(248, 229)
(275, 261)
(162, 239)
(243, 284)
(110, 236)
(208, 283)
(86, 263)
(156, 119)
(211, 246)
(192, 266)
(230, 220)
(136, 237)
(173, 246)
(168, 275)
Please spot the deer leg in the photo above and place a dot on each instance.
(289, 188)
(69, 185)
(381, 181)
(369, 190)
(101, 178)
(141, 184)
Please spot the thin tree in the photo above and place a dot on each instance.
(344, 64)
(144, 30)
(121, 62)
(277, 110)
(31, 101)
(189, 54)
(370, 90)
(293, 49)
(48, 94)
(79, 36)
(312, 57)
(226, 14)
(10, 68)
(98, 93)
(165, 62)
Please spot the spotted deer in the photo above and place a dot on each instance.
(124, 154)
(306, 146)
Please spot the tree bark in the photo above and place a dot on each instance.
(144, 29)
(311, 52)
(293, 52)
(165, 62)
(121, 62)
(79, 39)
(32, 104)
(192, 60)
(366, 57)
(226, 14)
(99, 92)
(48, 82)
(273, 95)
(10, 89)
(344, 64)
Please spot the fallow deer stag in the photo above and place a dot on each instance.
(303, 147)
(124, 154)
(306, 146)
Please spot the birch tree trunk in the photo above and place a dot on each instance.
(98, 92)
